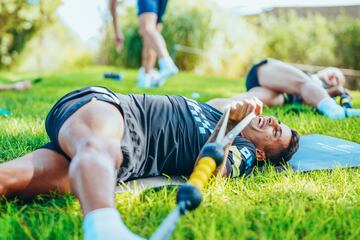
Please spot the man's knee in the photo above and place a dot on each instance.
(147, 29)
(95, 152)
(8, 181)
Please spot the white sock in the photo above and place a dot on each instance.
(167, 63)
(352, 112)
(106, 224)
(329, 108)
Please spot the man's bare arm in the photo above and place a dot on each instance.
(16, 86)
(221, 103)
(6, 87)
(119, 39)
(238, 111)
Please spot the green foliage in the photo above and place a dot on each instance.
(130, 55)
(347, 35)
(292, 38)
(52, 48)
(181, 26)
(19, 20)
(187, 26)
(316, 205)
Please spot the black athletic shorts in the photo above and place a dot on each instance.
(252, 80)
(155, 6)
(69, 104)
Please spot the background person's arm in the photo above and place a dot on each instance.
(16, 86)
(221, 103)
(119, 38)
(4, 87)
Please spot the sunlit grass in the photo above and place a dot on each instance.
(317, 205)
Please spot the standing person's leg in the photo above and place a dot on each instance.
(149, 55)
(147, 73)
(148, 58)
(151, 35)
(150, 15)
(92, 138)
(39, 172)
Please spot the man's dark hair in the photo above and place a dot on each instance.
(285, 154)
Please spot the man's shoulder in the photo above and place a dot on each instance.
(241, 157)
(246, 147)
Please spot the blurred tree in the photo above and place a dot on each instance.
(19, 20)
(293, 38)
(347, 34)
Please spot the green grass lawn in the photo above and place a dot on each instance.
(317, 205)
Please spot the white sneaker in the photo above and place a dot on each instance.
(148, 80)
(144, 79)
(167, 69)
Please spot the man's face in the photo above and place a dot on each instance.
(267, 133)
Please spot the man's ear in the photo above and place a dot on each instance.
(260, 155)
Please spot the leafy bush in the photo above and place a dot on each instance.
(347, 35)
(130, 56)
(188, 26)
(292, 38)
(52, 48)
(19, 21)
(232, 47)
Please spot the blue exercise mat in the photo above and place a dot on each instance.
(4, 112)
(316, 152)
(320, 152)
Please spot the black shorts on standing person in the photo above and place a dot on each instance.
(154, 6)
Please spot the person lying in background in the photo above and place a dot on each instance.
(277, 83)
(19, 86)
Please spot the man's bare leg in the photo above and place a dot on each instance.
(148, 54)
(148, 58)
(285, 78)
(147, 75)
(150, 32)
(282, 77)
(92, 138)
(39, 172)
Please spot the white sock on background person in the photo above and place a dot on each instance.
(167, 65)
(331, 109)
(106, 224)
(167, 69)
(352, 112)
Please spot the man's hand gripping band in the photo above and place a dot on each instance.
(236, 117)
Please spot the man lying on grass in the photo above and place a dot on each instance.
(276, 83)
(99, 137)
